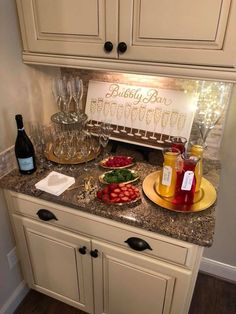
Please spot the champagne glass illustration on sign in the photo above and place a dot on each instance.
(141, 115)
(149, 117)
(106, 110)
(92, 110)
(119, 115)
(181, 123)
(99, 110)
(164, 122)
(133, 118)
(156, 120)
(127, 116)
(113, 109)
(173, 122)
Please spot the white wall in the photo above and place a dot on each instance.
(23, 89)
(224, 247)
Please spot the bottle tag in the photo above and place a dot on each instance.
(26, 164)
(187, 181)
(166, 175)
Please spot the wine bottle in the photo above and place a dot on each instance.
(24, 149)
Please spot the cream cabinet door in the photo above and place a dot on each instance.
(185, 31)
(52, 263)
(69, 27)
(129, 283)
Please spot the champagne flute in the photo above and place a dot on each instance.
(104, 136)
(134, 115)
(157, 117)
(79, 93)
(99, 110)
(92, 109)
(86, 149)
(119, 114)
(113, 109)
(164, 121)
(173, 121)
(141, 115)
(106, 110)
(181, 123)
(149, 117)
(127, 115)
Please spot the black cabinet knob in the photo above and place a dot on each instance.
(94, 253)
(82, 250)
(46, 215)
(122, 47)
(138, 244)
(108, 46)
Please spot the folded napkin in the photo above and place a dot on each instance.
(55, 183)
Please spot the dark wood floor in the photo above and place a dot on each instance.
(211, 296)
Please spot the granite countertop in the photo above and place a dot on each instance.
(197, 228)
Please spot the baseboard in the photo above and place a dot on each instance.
(218, 269)
(14, 300)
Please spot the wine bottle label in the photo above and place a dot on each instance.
(26, 164)
(187, 181)
(167, 175)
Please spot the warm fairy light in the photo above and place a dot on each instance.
(213, 96)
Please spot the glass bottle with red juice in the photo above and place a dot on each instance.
(186, 181)
(178, 142)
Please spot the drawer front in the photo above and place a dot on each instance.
(161, 247)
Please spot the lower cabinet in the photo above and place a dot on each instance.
(52, 262)
(97, 276)
(127, 283)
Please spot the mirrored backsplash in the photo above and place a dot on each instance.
(212, 101)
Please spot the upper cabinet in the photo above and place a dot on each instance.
(184, 33)
(69, 27)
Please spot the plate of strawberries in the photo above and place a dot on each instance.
(119, 194)
(117, 162)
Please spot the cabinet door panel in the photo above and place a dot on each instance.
(74, 27)
(165, 19)
(187, 32)
(52, 264)
(51, 260)
(132, 283)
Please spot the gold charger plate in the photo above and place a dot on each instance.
(202, 199)
(101, 163)
(101, 177)
(49, 154)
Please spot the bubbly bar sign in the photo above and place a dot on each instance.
(141, 114)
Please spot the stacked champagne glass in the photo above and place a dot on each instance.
(70, 138)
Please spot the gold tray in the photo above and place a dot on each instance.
(202, 199)
(101, 177)
(49, 154)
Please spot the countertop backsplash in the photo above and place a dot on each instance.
(7, 161)
(214, 139)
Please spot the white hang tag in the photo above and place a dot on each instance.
(167, 175)
(187, 181)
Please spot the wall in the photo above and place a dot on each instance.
(22, 90)
(223, 249)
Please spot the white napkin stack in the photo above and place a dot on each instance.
(55, 183)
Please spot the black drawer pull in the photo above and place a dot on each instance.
(46, 215)
(138, 244)
(108, 46)
(122, 47)
(94, 253)
(82, 250)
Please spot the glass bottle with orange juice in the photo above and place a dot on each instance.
(166, 187)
